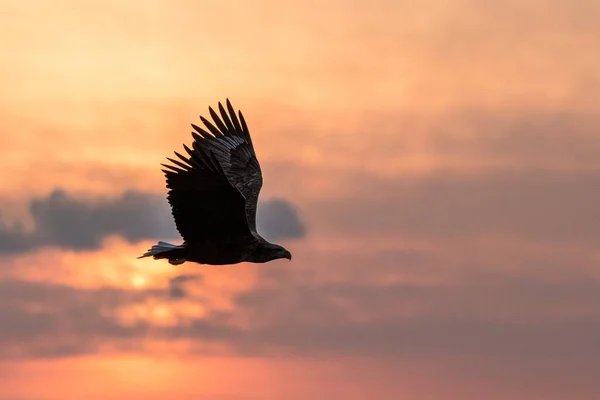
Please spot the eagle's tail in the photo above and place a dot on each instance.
(175, 254)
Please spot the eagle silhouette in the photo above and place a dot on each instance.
(213, 195)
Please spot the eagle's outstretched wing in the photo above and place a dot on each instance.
(229, 139)
(204, 203)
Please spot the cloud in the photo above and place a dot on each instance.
(68, 222)
(537, 205)
(53, 320)
(279, 219)
(511, 319)
(327, 308)
(65, 221)
(563, 139)
(372, 304)
(526, 319)
(177, 285)
(48, 320)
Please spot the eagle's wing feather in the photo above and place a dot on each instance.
(204, 203)
(229, 140)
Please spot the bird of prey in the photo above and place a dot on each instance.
(213, 193)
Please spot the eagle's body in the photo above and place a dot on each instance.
(213, 195)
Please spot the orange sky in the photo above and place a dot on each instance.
(442, 156)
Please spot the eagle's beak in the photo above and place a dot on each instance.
(288, 255)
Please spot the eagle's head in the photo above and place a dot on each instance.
(269, 251)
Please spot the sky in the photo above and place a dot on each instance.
(432, 166)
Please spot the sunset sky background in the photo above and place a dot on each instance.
(433, 167)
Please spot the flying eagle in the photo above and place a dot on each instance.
(213, 195)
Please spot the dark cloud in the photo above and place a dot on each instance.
(279, 219)
(177, 285)
(65, 221)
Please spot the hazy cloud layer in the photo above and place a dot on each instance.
(69, 222)
(505, 318)
(483, 312)
(542, 205)
(51, 320)
(531, 320)
(484, 305)
(565, 139)
(373, 303)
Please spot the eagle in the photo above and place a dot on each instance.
(213, 194)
